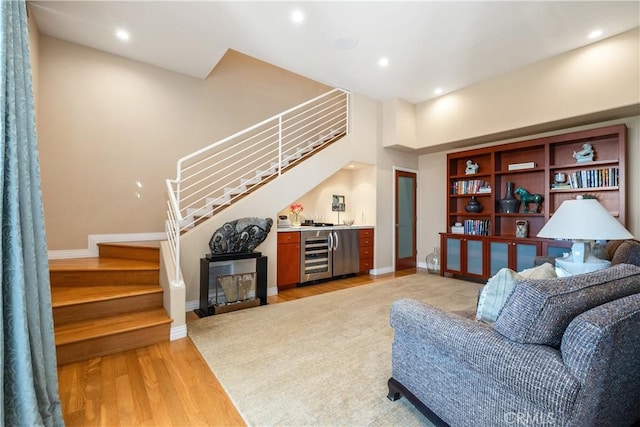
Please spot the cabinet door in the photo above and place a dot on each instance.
(366, 250)
(453, 249)
(346, 253)
(498, 256)
(464, 255)
(515, 255)
(288, 259)
(474, 256)
(525, 255)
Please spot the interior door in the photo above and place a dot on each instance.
(406, 219)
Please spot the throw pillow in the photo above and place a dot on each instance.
(499, 288)
(495, 294)
(539, 311)
(544, 271)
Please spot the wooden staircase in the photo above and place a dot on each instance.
(108, 304)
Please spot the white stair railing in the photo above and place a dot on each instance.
(217, 175)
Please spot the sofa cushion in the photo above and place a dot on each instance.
(499, 288)
(626, 252)
(539, 311)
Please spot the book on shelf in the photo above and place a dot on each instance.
(477, 227)
(594, 178)
(472, 186)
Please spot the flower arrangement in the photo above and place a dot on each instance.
(296, 208)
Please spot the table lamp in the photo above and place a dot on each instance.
(582, 220)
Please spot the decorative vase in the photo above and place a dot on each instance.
(473, 206)
(509, 204)
(433, 261)
(296, 220)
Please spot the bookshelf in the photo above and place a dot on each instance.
(544, 166)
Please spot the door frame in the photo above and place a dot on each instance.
(394, 229)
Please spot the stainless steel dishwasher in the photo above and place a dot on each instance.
(328, 253)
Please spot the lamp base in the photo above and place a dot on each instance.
(580, 251)
(567, 267)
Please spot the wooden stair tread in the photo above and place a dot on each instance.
(63, 296)
(112, 325)
(100, 263)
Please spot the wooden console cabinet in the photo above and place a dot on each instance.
(532, 165)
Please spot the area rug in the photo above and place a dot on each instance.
(323, 360)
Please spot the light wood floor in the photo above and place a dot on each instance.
(166, 384)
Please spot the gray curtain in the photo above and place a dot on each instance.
(27, 348)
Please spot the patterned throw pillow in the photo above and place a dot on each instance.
(500, 287)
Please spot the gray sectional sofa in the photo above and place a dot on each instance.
(562, 351)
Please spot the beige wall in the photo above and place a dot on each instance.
(399, 124)
(106, 123)
(433, 172)
(601, 77)
(358, 188)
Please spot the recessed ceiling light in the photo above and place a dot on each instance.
(297, 16)
(595, 34)
(383, 62)
(122, 34)
(438, 91)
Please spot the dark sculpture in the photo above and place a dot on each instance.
(241, 235)
(526, 198)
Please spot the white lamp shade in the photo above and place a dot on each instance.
(583, 219)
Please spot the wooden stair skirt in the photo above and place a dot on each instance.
(107, 304)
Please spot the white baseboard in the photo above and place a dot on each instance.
(192, 305)
(94, 239)
(379, 271)
(71, 253)
(178, 332)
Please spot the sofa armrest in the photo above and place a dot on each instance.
(524, 369)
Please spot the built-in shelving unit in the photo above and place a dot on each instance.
(540, 160)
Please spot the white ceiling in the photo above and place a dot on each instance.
(428, 44)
